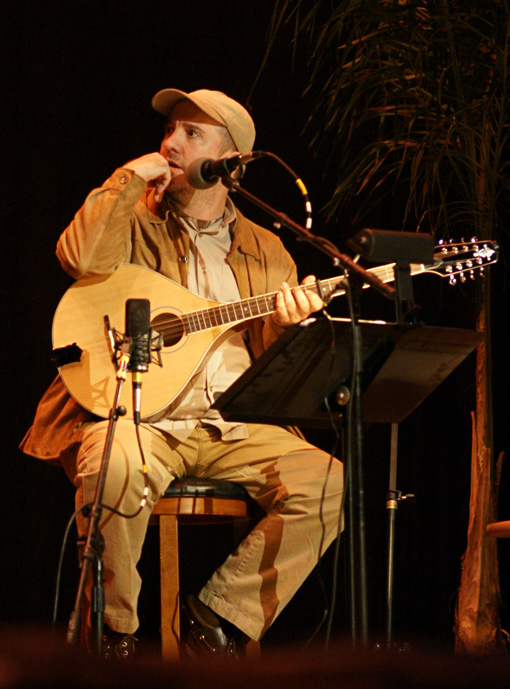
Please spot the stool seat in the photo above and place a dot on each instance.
(191, 500)
(195, 497)
(195, 486)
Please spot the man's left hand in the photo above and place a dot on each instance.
(293, 305)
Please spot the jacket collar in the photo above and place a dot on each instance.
(244, 237)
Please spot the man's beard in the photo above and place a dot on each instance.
(182, 193)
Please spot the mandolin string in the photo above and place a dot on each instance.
(195, 321)
(203, 319)
(227, 313)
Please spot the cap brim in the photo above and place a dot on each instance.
(164, 101)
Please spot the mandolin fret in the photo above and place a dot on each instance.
(214, 315)
(384, 273)
(195, 321)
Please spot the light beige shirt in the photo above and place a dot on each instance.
(210, 277)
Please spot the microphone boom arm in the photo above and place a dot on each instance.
(338, 258)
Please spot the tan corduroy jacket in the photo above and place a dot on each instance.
(120, 223)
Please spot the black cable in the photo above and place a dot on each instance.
(299, 183)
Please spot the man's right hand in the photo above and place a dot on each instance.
(154, 169)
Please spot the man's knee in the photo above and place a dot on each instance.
(329, 474)
(124, 464)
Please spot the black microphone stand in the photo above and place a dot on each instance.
(359, 607)
(94, 544)
(339, 259)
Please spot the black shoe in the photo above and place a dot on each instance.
(118, 646)
(207, 635)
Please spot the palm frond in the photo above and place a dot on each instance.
(411, 94)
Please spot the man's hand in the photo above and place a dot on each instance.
(292, 306)
(155, 170)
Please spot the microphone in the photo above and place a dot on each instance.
(138, 332)
(203, 173)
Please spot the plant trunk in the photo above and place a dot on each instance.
(477, 625)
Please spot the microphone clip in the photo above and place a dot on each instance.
(120, 341)
(203, 173)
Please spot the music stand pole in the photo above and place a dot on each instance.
(92, 550)
(359, 607)
(392, 507)
(393, 498)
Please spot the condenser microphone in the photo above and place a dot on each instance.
(138, 333)
(203, 173)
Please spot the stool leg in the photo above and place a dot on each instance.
(169, 572)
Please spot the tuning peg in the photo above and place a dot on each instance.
(452, 280)
(462, 277)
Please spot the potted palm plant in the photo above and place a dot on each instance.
(411, 98)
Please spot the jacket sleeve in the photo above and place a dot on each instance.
(58, 425)
(99, 238)
(278, 267)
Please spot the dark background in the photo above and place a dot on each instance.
(78, 80)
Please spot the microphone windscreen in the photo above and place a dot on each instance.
(195, 174)
(138, 319)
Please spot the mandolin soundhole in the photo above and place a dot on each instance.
(170, 326)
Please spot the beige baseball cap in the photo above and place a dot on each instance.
(217, 105)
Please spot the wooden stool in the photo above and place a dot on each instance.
(192, 500)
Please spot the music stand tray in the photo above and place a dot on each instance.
(309, 362)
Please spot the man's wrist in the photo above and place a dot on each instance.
(275, 327)
(271, 332)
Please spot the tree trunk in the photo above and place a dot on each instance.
(477, 625)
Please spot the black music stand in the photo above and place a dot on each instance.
(311, 361)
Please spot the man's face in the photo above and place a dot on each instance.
(189, 134)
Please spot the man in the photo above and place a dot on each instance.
(148, 214)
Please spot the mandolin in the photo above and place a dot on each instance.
(190, 327)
